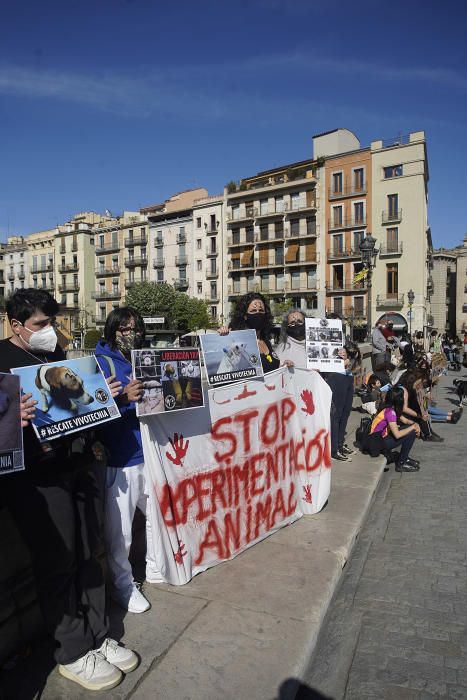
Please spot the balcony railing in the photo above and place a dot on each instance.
(347, 191)
(42, 268)
(278, 236)
(113, 294)
(108, 248)
(181, 237)
(131, 283)
(343, 287)
(158, 243)
(212, 275)
(238, 265)
(210, 252)
(158, 264)
(390, 301)
(240, 240)
(107, 271)
(211, 230)
(277, 262)
(70, 287)
(70, 267)
(136, 262)
(213, 298)
(136, 240)
(386, 250)
(335, 254)
(11, 276)
(296, 206)
(181, 259)
(270, 210)
(391, 217)
(240, 215)
(347, 222)
(303, 260)
(312, 286)
(181, 284)
(309, 231)
(48, 287)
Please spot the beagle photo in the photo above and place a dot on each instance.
(62, 386)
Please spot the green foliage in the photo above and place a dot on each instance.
(180, 311)
(91, 338)
(279, 308)
(231, 187)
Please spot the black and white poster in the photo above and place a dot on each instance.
(11, 432)
(324, 338)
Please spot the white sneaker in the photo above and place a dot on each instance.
(131, 599)
(92, 671)
(124, 659)
(154, 576)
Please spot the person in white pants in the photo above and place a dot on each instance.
(126, 483)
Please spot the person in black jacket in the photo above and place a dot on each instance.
(57, 505)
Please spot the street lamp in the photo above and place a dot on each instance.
(411, 298)
(368, 254)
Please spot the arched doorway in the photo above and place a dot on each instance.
(399, 322)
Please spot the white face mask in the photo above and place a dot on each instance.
(44, 340)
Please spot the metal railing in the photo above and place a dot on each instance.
(136, 240)
(336, 254)
(72, 287)
(113, 294)
(389, 217)
(181, 259)
(108, 248)
(181, 284)
(343, 287)
(347, 222)
(395, 249)
(347, 191)
(104, 271)
(133, 262)
(70, 267)
(158, 264)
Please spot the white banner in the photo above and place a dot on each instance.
(228, 475)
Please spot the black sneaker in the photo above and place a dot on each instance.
(346, 450)
(455, 415)
(340, 457)
(434, 438)
(406, 467)
(413, 462)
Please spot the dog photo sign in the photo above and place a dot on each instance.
(232, 357)
(11, 432)
(324, 338)
(72, 395)
(171, 379)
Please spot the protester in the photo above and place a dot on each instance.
(57, 504)
(385, 426)
(372, 397)
(291, 344)
(252, 311)
(415, 406)
(126, 483)
(380, 351)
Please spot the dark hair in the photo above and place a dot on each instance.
(372, 381)
(25, 302)
(395, 399)
(238, 322)
(284, 337)
(115, 320)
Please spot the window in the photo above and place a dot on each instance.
(311, 225)
(280, 282)
(392, 171)
(236, 235)
(264, 232)
(295, 201)
(250, 235)
(279, 229)
(358, 237)
(160, 275)
(279, 201)
(182, 273)
(338, 276)
(392, 235)
(130, 234)
(213, 290)
(338, 244)
(214, 311)
(198, 244)
(263, 206)
(181, 231)
(295, 279)
(199, 264)
(392, 281)
(213, 248)
(198, 222)
(212, 222)
(311, 278)
(236, 284)
(338, 305)
(359, 309)
(358, 180)
(102, 313)
(337, 216)
(393, 206)
(158, 239)
(359, 212)
(213, 266)
(279, 255)
(199, 287)
(337, 183)
(235, 212)
(295, 227)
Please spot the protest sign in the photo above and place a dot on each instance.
(232, 357)
(255, 459)
(71, 394)
(11, 433)
(324, 339)
(171, 379)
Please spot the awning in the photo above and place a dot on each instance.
(291, 253)
(246, 256)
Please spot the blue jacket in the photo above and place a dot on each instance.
(122, 437)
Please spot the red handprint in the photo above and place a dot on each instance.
(307, 497)
(178, 556)
(307, 398)
(179, 449)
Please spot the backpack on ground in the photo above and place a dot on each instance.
(362, 431)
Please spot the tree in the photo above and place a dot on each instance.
(180, 311)
(279, 308)
(190, 313)
(91, 338)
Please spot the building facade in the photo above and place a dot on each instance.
(208, 254)
(449, 289)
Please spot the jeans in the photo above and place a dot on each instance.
(437, 415)
(342, 396)
(405, 443)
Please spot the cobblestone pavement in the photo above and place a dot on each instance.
(397, 627)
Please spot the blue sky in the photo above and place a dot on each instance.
(117, 104)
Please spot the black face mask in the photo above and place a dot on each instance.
(296, 332)
(256, 321)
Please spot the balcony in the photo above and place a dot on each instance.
(11, 276)
(346, 222)
(102, 295)
(243, 214)
(212, 275)
(212, 230)
(47, 287)
(233, 241)
(238, 265)
(344, 254)
(181, 238)
(158, 243)
(278, 237)
(391, 217)
(70, 287)
(70, 267)
(158, 264)
(312, 286)
(131, 283)
(309, 231)
(136, 240)
(387, 301)
(136, 262)
(109, 248)
(348, 191)
(341, 287)
(277, 262)
(235, 292)
(107, 271)
(210, 252)
(181, 260)
(181, 284)
(21, 275)
(48, 267)
(386, 251)
(302, 205)
(212, 298)
(302, 261)
(269, 212)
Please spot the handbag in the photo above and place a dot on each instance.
(362, 431)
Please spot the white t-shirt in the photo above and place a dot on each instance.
(292, 350)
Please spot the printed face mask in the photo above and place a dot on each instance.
(297, 332)
(128, 342)
(256, 321)
(44, 340)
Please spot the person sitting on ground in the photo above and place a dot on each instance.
(372, 398)
(415, 406)
(386, 435)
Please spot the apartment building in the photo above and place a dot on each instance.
(272, 236)
(209, 254)
(121, 260)
(41, 260)
(2, 274)
(171, 240)
(448, 287)
(15, 260)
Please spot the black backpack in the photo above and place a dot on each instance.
(363, 430)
